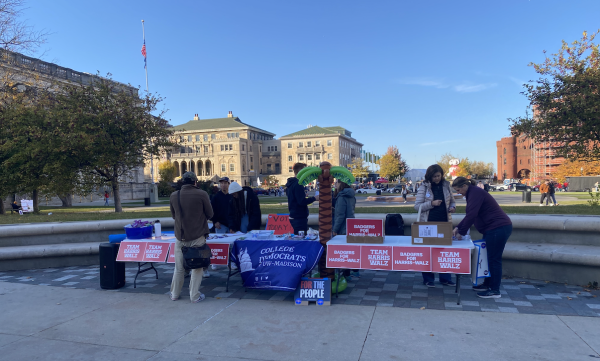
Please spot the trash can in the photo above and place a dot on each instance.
(147, 202)
(526, 196)
(378, 192)
(112, 273)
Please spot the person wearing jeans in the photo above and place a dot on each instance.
(179, 273)
(490, 220)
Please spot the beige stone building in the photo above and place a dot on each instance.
(227, 147)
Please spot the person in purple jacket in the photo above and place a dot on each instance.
(490, 220)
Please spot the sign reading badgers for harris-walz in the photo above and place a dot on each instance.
(275, 265)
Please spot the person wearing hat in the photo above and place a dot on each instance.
(220, 204)
(244, 209)
(191, 229)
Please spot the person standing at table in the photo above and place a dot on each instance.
(191, 229)
(345, 201)
(298, 201)
(435, 200)
(220, 204)
(490, 220)
(244, 209)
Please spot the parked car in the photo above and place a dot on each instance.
(535, 188)
(368, 191)
(398, 189)
(498, 187)
(518, 187)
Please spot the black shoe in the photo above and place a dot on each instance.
(448, 283)
(489, 294)
(480, 288)
(429, 284)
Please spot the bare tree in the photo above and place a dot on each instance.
(15, 34)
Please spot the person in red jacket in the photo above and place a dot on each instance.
(490, 220)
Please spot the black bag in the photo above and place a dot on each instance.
(394, 225)
(194, 257)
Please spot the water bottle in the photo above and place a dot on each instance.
(157, 229)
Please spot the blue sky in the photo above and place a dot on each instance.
(427, 76)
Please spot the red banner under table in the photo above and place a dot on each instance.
(342, 256)
(376, 257)
(220, 253)
(412, 259)
(451, 260)
(143, 251)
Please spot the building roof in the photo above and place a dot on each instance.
(316, 130)
(216, 123)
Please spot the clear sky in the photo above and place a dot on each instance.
(427, 76)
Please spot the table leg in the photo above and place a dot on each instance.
(140, 271)
(457, 289)
(337, 287)
(228, 274)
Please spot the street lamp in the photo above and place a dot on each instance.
(581, 170)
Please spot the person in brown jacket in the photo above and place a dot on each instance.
(545, 191)
(196, 209)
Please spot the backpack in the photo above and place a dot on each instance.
(394, 225)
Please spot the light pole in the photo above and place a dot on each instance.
(581, 170)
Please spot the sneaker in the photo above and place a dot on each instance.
(449, 283)
(173, 298)
(557, 204)
(213, 267)
(481, 288)
(206, 273)
(200, 299)
(489, 294)
(233, 266)
(429, 284)
(551, 204)
(541, 205)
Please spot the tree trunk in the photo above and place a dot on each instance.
(36, 203)
(2, 211)
(116, 195)
(325, 218)
(66, 199)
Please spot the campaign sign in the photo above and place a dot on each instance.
(451, 260)
(412, 259)
(360, 230)
(280, 223)
(376, 257)
(219, 253)
(313, 289)
(171, 258)
(131, 251)
(342, 256)
(275, 265)
(156, 252)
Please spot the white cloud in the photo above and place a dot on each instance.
(442, 142)
(472, 88)
(436, 83)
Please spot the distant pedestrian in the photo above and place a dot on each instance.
(480, 185)
(596, 186)
(545, 191)
(404, 193)
(106, 196)
(551, 191)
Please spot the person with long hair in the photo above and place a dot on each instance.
(345, 201)
(435, 200)
(244, 209)
(490, 220)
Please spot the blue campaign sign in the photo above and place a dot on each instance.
(275, 265)
(314, 289)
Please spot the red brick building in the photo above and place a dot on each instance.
(521, 158)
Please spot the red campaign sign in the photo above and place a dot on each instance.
(376, 257)
(343, 256)
(220, 253)
(280, 223)
(364, 227)
(131, 251)
(451, 260)
(171, 258)
(156, 252)
(412, 259)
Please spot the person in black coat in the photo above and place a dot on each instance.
(244, 209)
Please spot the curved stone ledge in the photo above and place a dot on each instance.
(553, 253)
(52, 250)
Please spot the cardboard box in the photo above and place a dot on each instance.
(432, 233)
(360, 230)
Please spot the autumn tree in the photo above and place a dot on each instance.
(575, 168)
(444, 162)
(392, 165)
(167, 171)
(358, 168)
(565, 101)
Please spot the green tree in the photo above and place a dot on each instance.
(271, 181)
(565, 101)
(358, 168)
(389, 167)
(444, 162)
(464, 168)
(117, 126)
(167, 171)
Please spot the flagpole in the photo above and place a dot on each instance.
(154, 188)
(146, 57)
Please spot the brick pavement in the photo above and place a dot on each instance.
(373, 288)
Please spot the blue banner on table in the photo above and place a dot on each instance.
(275, 265)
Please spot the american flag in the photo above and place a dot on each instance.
(144, 52)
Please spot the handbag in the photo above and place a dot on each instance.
(193, 257)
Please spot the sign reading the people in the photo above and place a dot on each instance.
(314, 290)
(280, 223)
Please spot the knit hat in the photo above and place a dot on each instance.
(234, 187)
(189, 176)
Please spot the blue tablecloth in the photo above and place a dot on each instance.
(275, 265)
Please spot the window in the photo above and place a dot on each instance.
(181, 139)
(250, 147)
(275, 148)
(222, 147)
(317, 143)
(309, 157)
(189, 138)
(213, 136)
(528, 161)
(251, 166)
(504, 150)
(290, 170)
(290, 158)
(300, 145)
(243, 167)
(206, 137)
(504, 160)
(182, 150)
(237, 135)
(260, 148)
(289, 145)
(520, 161)
(232, 167)
(268, 168)
(197, 138)
(329, 142)
(243, 147)
(329, 156)
(260, 161)
(206, 149)
(223, 168)
(251, 160)
(300, 156)
(276, 167)
(317, 156)
(309, 144)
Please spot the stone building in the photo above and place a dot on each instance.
(228, 147)
(522, 158)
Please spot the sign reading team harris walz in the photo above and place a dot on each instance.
(400, 258)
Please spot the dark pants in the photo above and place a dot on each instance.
(430, 277)
(545, 196)
(495, 240)
(299, 224)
